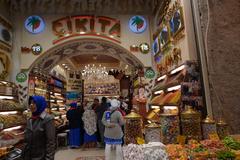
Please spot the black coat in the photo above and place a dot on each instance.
(74, 117)
(40, 138)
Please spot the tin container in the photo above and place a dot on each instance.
(222, 129)
(170, 129)
(152, 133)
(208, 127)
(133, 128)
(191, 123)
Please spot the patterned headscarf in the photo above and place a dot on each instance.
(90, 120)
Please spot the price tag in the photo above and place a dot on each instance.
(181, 140)
(214, 136)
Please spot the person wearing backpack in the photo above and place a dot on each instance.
(113, 122)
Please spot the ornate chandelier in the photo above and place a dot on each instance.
(93, 72)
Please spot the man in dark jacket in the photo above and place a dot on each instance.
(40, 132)
(100, 111)
(74, 116)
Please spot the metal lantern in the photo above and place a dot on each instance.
(152, 133)
(222, 129)
(191, 124)
(208, 127)
(133, 128)
(170, 129)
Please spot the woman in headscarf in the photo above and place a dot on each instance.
(113, 120)
(90, 126)
(40, 132)
(74, 116)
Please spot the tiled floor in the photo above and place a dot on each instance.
(75, 154)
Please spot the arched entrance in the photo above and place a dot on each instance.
(81, 47)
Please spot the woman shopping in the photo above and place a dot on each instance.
(90, 126)
(40, 132)
(74, 116)
(113, 121)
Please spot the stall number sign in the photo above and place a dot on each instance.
(21, 77)
(137, 24)
(144, 48)
(36, 49)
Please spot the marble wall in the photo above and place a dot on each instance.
(221, 30)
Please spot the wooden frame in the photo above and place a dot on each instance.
(177, 16)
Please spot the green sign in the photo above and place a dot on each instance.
(150, 73)
(144, 48)
(21, 77)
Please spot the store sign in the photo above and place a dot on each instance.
(150, 73)
(144, 48)
(137, 24)
(36, 49)
(34, 24)
(21, 77)
(73, 26)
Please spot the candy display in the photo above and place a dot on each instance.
(133, 128)
(176, 151)
(150, 151)
(208, 127)
(8, 105)
(191, 124)
(152, 133)
(12, 120)
(169, 128)
(231, 143)
(222, 129)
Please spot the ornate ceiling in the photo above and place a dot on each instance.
(85, 6)
(80, 52)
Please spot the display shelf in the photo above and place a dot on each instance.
(165, 87)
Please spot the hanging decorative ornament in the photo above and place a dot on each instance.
(21, 77)
(149, 73)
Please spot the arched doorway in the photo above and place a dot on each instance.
(72, 48)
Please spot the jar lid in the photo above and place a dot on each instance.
(208, 119)
(189, 112)
(221, 122)
(152, 125)
(133, 115)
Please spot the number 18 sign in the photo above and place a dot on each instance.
(36, 49)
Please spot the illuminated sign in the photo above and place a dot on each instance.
(73, 26)
(137, 24)
(144, 48)
(34, 24)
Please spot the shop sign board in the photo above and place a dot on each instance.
(150, 73)
(34, 24)
(36, 49)
(21, 77)
(144, 48)
(137, 24)
(99, 26)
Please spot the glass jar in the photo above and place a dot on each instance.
(170, 129)
(133, 128)
(152, 133)
(208, 127)
(191, 124)
(222, 129)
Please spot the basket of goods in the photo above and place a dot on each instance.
(176, 152)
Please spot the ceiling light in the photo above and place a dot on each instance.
(174, 88)
(64, 64)
(170, 107)
(158, 92)
(6, 97)
(161, 78)
(7, 113)
(155, 107)
(177, 69)
(82, 32)
(12, 128)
